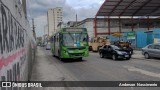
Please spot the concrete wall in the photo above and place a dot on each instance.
(17, 45)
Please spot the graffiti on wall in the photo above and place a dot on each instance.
(12, 33)
(13, 52)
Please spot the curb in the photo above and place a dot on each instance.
(139, 58)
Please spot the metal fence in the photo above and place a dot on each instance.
(142, 38)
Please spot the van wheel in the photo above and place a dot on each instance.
(146, 55)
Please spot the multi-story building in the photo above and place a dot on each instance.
(55, 16)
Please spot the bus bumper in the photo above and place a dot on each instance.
(75, 55)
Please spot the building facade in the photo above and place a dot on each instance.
(88, 24)
(55, 16)
(125, 25)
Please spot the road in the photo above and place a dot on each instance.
(94, 68)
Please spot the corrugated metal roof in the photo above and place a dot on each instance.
(130, 8)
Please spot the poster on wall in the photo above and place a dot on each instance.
(131, 35)
(156, 40)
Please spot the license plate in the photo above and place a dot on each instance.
(126, 55)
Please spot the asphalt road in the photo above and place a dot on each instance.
(94, 68)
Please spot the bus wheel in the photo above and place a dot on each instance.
(80, 59)
(61, 59)
(54, 55)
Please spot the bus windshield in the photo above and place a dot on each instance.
(72, 39)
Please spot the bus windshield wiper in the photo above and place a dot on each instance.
(80, 35)
(71, 36)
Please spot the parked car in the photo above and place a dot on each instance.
(48, 47)
(152, 50)
(114, 52)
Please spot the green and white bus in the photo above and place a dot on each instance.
(70, 43)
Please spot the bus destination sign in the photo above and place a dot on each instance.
(74, 29)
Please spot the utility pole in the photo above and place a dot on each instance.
(33, 26)
(24, 5)
(54, 23)
(76, 20)
(48, 23)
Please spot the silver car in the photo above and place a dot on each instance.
(152, 50)
(48, 47)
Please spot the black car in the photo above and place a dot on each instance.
(114, 52)
(127, 49)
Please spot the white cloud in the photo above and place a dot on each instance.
(83, 8)
(40, 21)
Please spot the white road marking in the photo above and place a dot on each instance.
(134, 69)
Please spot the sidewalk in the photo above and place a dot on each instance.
(44, 70)
(137, 54)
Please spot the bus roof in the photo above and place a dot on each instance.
(71, 29)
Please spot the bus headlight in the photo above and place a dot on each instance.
(86, 51)
(65, 51)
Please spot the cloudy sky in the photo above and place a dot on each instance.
(37, 9)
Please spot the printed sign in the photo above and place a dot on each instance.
(74, 29)
(156, 40)
(131, 35)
